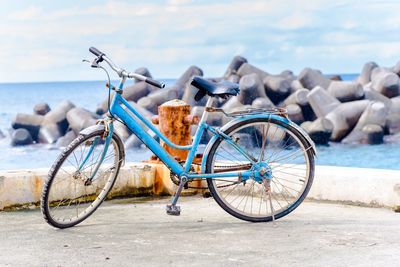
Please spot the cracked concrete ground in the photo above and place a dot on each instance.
(133, 232)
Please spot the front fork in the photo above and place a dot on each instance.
(107, 135)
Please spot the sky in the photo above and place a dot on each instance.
(47, 40)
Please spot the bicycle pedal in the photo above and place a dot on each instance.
(173, 210)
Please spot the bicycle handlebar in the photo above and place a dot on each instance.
(96, 51)
(121, 72)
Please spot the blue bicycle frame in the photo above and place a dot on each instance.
(117, 109)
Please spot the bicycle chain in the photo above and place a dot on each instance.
(176, 180)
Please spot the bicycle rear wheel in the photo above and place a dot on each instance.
(79, 181)
(282, 149)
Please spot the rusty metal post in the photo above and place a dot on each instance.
(175, 120)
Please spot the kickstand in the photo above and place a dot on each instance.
(173, 209)
(267, 185)
(272, 208)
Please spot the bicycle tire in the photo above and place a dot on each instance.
(228, 208)
(57, 166)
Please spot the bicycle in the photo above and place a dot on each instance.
(259, 166)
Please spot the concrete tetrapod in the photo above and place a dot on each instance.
(144, 112)
(346, 91)
(298, 97)
(392, 124)
(233, 67)
(21, 137)
(234, 78)
(321, 101)
(185, 78)
(189, 94)
(395, 107)
(373, 95)
(79, 119)
(133, 142)
(136, 91)
(311, 78)
(373, 134)
(251, 87)
(58, 115)
(247, 68)
(295, 114)
(296, 85)
(344, 118)
(365, 76)
(319, 130)
(41, 109)
(262, 102)
(143, 71)
(386, 83)
(122, 130)
(396, 68)
(232, 103)
(375, 113)
(65, 140)
(157, 98)
(49, 133)
(277, 87)
(31, 123)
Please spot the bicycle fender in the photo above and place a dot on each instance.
(91, 129)
(206, 152)
(100, 127)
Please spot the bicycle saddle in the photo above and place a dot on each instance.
(222, 89)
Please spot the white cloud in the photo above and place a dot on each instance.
(296, 21)
(169, 36)
(178, 2)
(26, 14)
(343, 37)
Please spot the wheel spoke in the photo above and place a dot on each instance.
(278, 148)
(72, 193)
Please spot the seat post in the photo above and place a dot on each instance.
(209, 104)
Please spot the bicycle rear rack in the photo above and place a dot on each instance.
(250, 111)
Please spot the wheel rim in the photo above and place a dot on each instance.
(287, 159)
(72, 196)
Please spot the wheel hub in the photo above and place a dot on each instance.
(261, 171)
(79, 176)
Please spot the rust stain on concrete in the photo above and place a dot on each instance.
(37, 185)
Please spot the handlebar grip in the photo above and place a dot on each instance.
(155, 83)
(96, 51)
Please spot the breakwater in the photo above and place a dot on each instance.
(363, 110)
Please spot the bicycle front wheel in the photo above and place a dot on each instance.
(79, 180)
(282, 150)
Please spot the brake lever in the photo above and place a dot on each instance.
(94, 63)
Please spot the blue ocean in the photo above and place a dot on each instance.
(21, 97)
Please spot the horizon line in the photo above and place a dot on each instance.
(161, 79)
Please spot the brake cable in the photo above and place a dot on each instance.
(95, 64)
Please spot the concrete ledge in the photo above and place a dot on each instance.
(22, 188)
(360, 186)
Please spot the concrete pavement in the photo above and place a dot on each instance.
(134, 233)
(361, 186)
